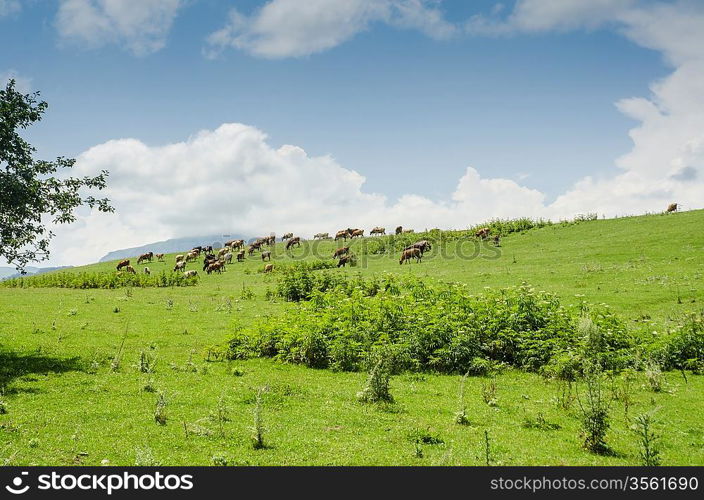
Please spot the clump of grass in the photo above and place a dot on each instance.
(648, 440)
(654, 377)
(149, 386)
(237, 372)
(160, 416)
(595, 419)
(221, 414)
(425, 436)
(258, 428)
(169, 304)
(539, 422)
(146, 362)
(377, 388)
(418, 450)
(3, 407)
(461, 415)
(489, 392)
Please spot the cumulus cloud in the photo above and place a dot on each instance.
(8, 7)
(290, 28)
(140, 26)
(230, 180)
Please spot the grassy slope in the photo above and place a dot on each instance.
(643, 267)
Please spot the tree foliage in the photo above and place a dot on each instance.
(31, 194)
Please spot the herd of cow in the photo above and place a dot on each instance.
(235, 249)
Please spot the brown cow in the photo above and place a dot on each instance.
(130, 269)
(497, 240)
(357, 233)
(411, 253)
(377, 230)
(342, 235)
(216, 266)
(192, 256)
(240, 256)
(268, 268)
(340, 252)
(293, 241)
(160, 257)
(145, 257)
(399, 229)
(482, 233)
(409, 231)
(672, 207)
(254, 246)
(344, 260)
(266, 256)
(422, 245)
(123, 263)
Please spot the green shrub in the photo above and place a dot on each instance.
(85, 280)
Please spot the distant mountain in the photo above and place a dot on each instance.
(170, 246)
(7, 273)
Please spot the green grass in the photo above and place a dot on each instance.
(65, 404)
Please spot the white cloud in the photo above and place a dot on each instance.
(141, 26)
(8, 7)
(23, 84)
(547, 15)
(291, 28)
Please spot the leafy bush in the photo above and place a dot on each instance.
(100, 280)
(424, 326)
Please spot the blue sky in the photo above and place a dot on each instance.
(407, 110)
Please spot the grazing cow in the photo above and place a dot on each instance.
(377, 230)
(253, 247)
(344, 260)
(293, 241)
(208, 249)
(342, 235)
(228, 258)
(130, 269)
(422, 245)
(147, 270)
(268, 268)
(198, 249)
(222, 251)
(287, 236)
(321, 236)
(123, 263)
(399, 229)
(191, 256)
(235, 244)
(145, 257)
(191, 274)
(266, 256)
(411, 253)
(160, 257)
(180, 257)
(240, 256)
(207, 262)
(672, 207)
(482, 233)
(497, 240)
(216, 266)
(408, 231)
(340, 252)
(357, 233)
(180, 265)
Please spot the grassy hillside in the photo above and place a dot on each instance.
(81, 369)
